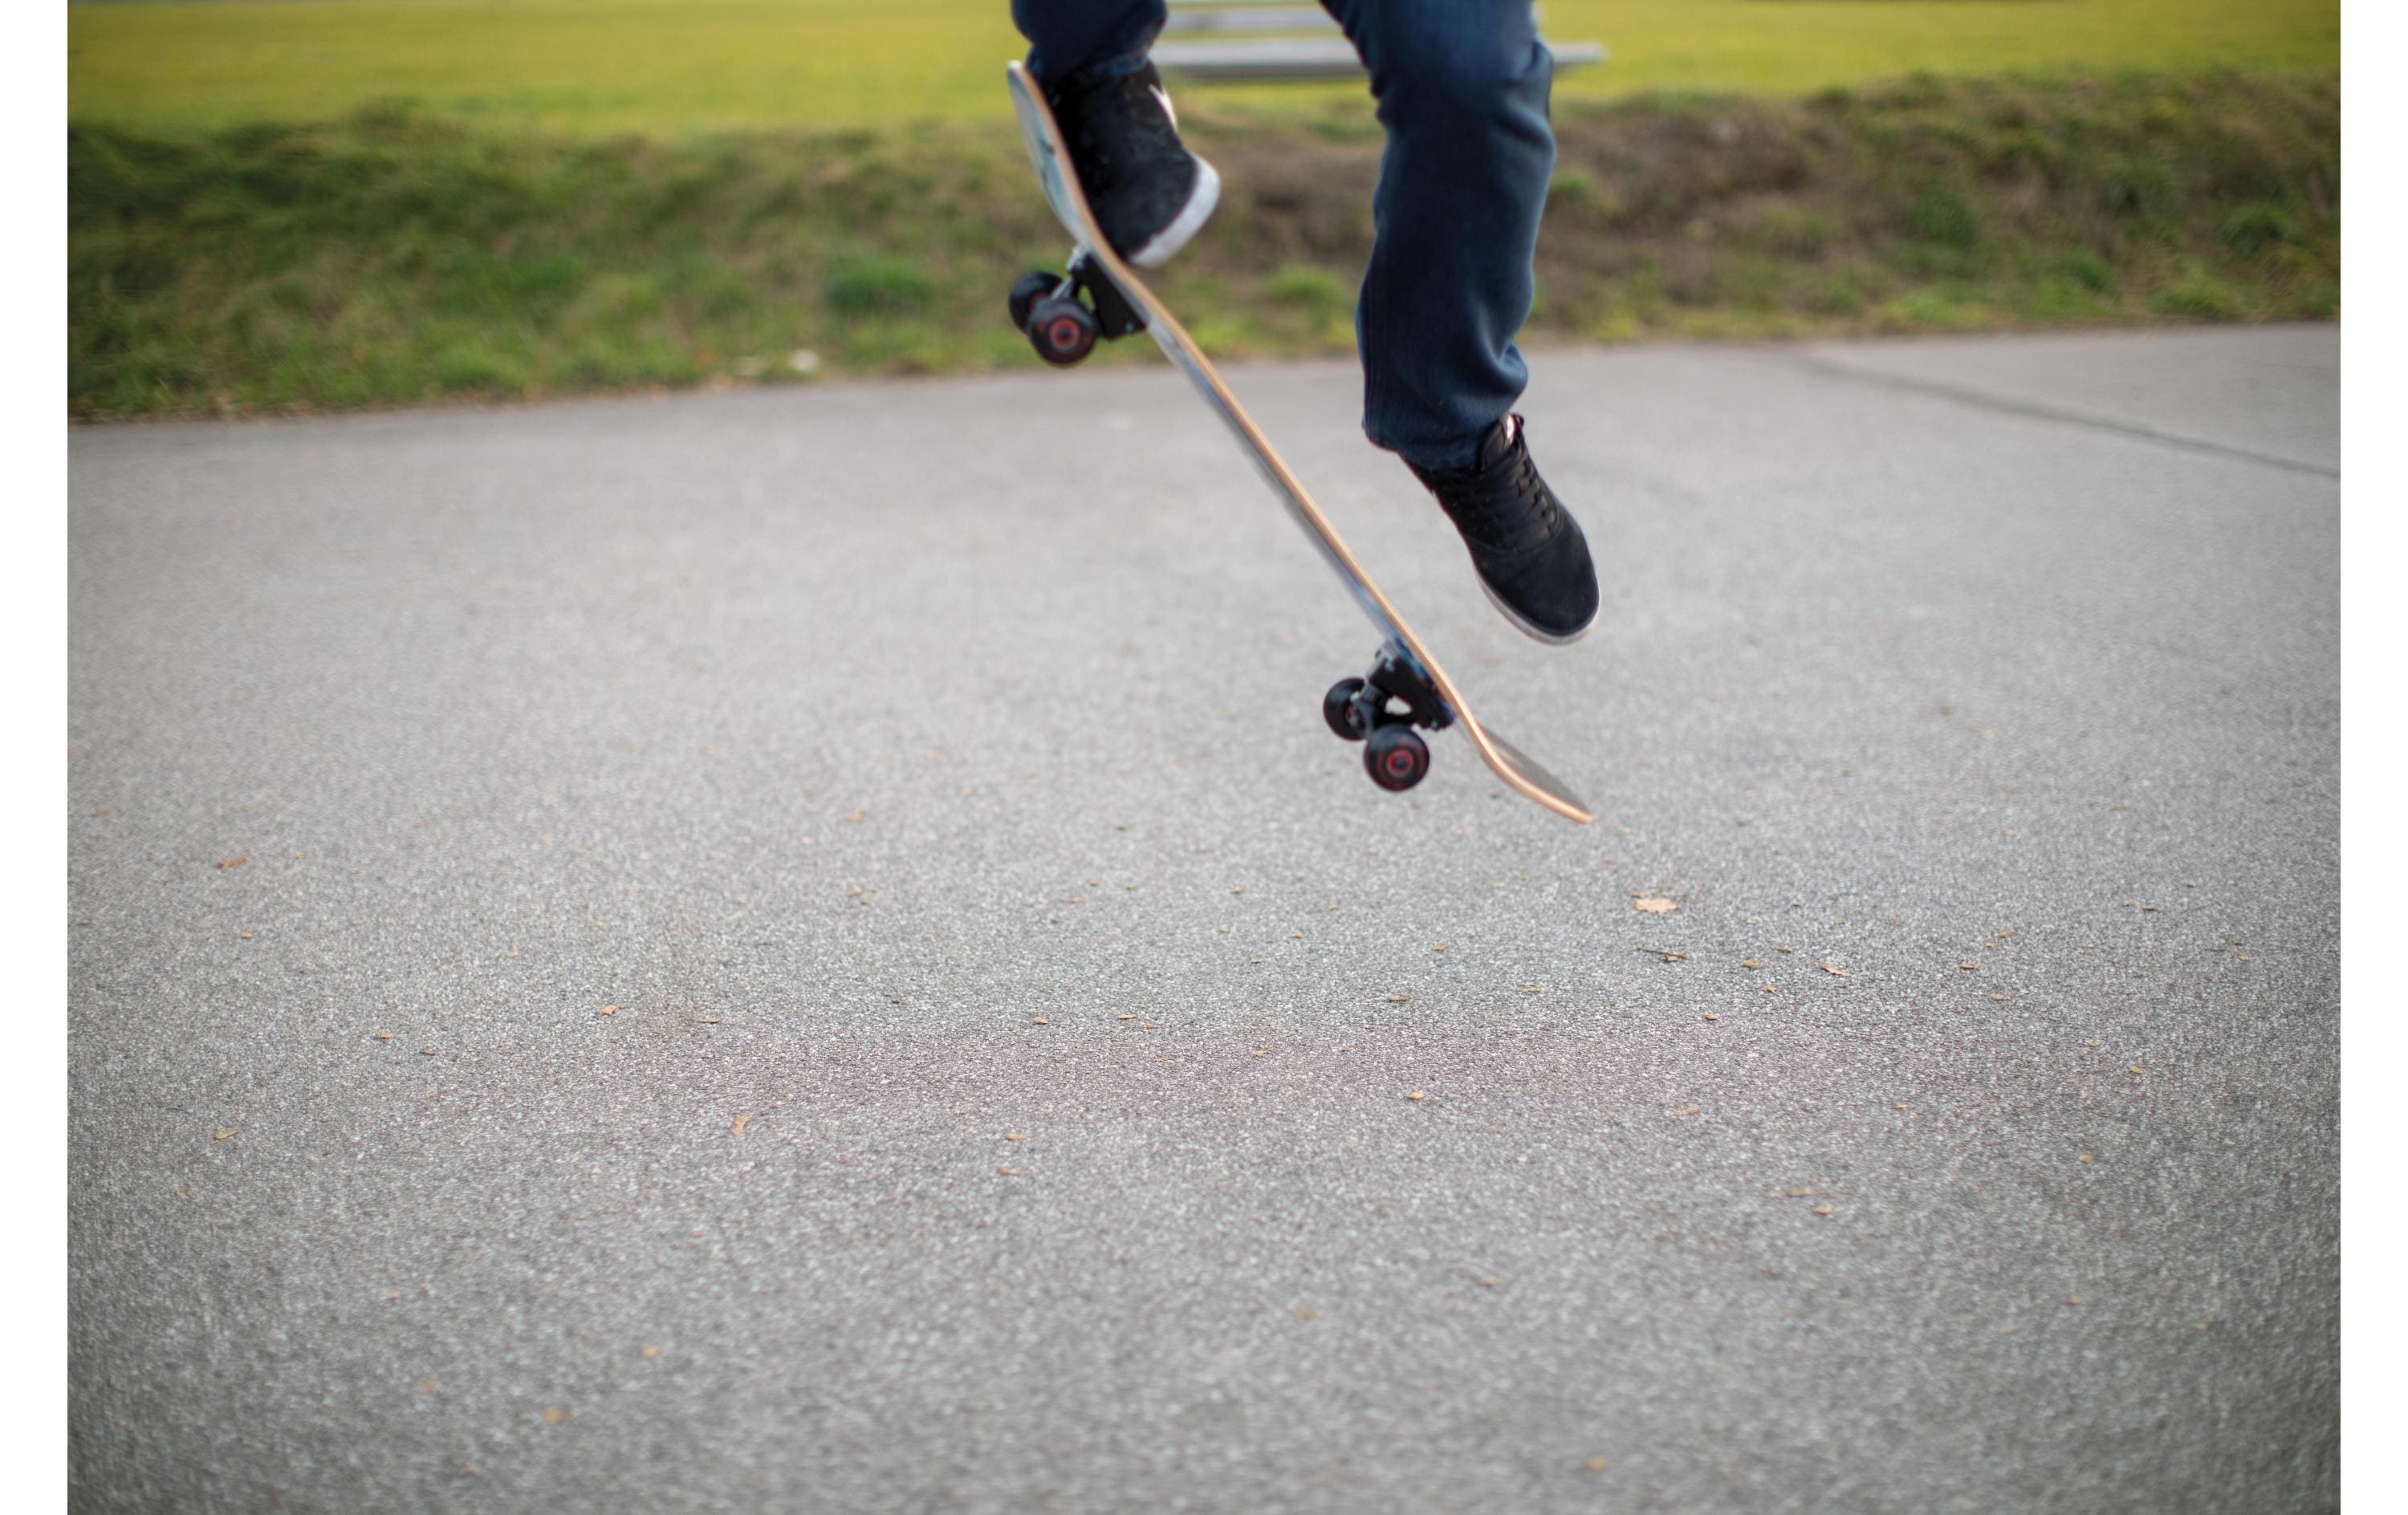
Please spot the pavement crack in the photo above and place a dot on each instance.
(2008, 405)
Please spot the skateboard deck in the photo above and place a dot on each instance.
(1406, 688)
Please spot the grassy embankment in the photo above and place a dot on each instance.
(674, 68)
(392, 257)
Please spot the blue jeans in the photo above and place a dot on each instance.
(1462, 91)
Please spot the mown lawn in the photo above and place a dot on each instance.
(393, 256)
(588, 67)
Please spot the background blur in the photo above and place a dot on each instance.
(321, 202)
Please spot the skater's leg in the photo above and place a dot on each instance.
(1085, 41)
(1462, 88)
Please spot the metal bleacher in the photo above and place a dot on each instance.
(1281, 40)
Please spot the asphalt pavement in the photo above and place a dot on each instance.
(808, 950)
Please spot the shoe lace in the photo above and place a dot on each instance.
(1529, 486)
(1484, 502)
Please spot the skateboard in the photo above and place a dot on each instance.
(1098, 298)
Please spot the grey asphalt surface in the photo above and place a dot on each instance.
(912, 767)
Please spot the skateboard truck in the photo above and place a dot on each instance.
(1367, 711)
(1062, 327)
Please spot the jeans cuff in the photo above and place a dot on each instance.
(1433, 457)
(1103, 70)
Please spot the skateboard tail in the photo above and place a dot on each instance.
(1541, 785)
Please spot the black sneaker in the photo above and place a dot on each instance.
(1148, 191)
(1532, 557)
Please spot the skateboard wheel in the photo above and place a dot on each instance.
(1026, 290)
(1062, 330)
(1396, 757)
(1339, 708)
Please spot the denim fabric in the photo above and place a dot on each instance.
(1074, 41)
(1462, 88)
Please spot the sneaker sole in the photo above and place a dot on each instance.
(1166, 243)
(1526, 629)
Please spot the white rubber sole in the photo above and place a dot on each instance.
(1166, 243)
(1551, 638)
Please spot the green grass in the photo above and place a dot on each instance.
(589, 67)
(392, 256)
(331, 203)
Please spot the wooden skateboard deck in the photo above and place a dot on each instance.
(1406, 673)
